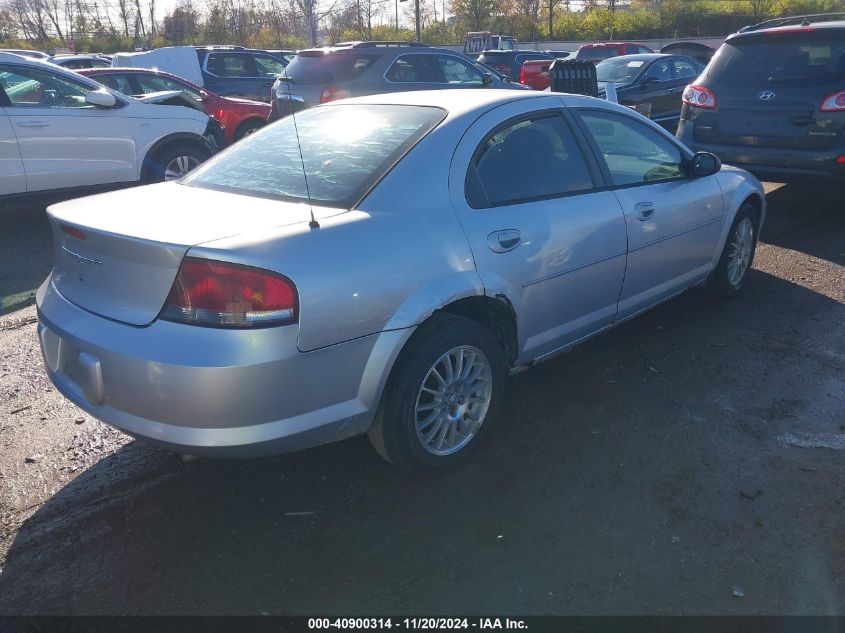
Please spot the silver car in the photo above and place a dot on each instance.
(423, 246)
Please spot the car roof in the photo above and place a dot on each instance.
(602, 44)
(645, 57)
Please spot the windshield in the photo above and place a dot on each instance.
(816, 57)
(345, 150)
(619, 70)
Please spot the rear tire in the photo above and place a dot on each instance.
(738, 254)
(443, 396)
(175, 160)
(248, 127)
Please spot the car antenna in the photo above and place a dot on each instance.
(288, 81)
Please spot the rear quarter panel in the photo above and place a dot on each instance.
(386, 265)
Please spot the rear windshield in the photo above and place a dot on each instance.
(596, 53)
(327, 68)
(816, 57)
(345, 150)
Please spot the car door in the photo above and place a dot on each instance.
(673, 220)
(12, 176)
(655, 88)
(541, 231)
(414, 71)
(63, 141)
(239, 74)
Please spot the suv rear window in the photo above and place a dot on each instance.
(597, 52)
(771, 59)
(322, 68)
(345, 150)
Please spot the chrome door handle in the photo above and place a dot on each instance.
(33, 124)
(504, 241)
(644, 210)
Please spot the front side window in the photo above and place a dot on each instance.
(153, 83)
(529, 160)
(457, 71)
(632, 151)
(659, 71)
(268, 66)
(413, 69)
(36, 88)
(117, 82)
(344, 149)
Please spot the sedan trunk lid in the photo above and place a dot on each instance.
(117, 254)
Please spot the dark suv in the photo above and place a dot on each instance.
(772, 100)
(354, 69)
(234, 71)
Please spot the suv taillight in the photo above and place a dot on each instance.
(834, 102)
(332, 93)
(220, 294)
(699, 97)
(522, 74)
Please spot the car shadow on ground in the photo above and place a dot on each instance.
(26, 255)
(797, 213)
(621, 479)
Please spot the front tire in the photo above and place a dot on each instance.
(738, 253)
(442, 398)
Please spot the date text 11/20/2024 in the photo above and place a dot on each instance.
(431, 624)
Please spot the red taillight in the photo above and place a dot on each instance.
(834, 102)
(840, 160)
(699, 97)
(332, 93)
(73, 231)
(219, 294)
(522, 75)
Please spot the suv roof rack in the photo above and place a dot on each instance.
(803, 20)
(380, 43)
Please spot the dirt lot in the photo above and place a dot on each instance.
(689, 461)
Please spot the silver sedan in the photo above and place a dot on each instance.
(378, 265)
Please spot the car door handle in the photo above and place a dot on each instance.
(504, 241)
(671, 90)
(33, 124)
(644, 210)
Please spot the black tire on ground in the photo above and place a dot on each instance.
(248, 127)
(720, 282)
(165, 156)
(394, 432)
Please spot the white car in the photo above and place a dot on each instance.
(59, 130)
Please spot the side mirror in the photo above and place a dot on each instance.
(487, 79)
(704, 164)
(100, 99)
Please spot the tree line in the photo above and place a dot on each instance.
(121, 25)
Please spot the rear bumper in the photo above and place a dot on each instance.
(775, 164)
(212, 392)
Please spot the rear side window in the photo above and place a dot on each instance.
(683, 68)
(230, 65)
(306, 69)
(633, 152)
(345, 149)
(532, 159)
(413, 69)
(810, 57)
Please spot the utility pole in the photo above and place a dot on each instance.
(397, 19)
(417, 18)
(551, 18)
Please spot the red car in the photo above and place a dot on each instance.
(536, 73)
(237, 117)
(605, 50)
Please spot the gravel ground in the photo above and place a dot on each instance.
(688, 462)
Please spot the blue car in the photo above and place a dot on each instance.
(234, 71)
